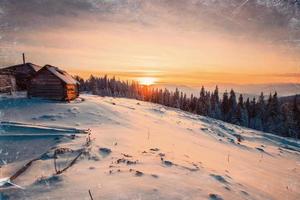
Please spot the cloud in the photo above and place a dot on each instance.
(169, 23)
(227, 14)
(273, 21)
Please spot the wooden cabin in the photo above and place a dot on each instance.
(7, 83)
(22, 73)
(53, 83)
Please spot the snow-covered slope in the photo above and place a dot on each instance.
(141, 150)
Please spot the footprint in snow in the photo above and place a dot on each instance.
(230, 140)
(260, 149)
(220, 135)
(48, 180)
(204, 129)
(94, 158)
(126, 161)
(104, 151)
(126, 155)
(192, 169)
(74, 110)
(154, 175)
(228, 176)
(263, 151)
(161, 154)
(244, 193)
(136, 172)
(154, 149)
(167, 163)
(219, 178)
(227, 188)
(215, 197)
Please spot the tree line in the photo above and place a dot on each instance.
(264, 114)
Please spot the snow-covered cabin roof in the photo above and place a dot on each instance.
(61, 74)
(14, 67)
(35, 67)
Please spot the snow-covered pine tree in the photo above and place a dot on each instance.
(241, 114)
(271, 116)
(296, 117)
(216, 95)
(225, 106)
(201, 104)
(260, 110)
(232, 105)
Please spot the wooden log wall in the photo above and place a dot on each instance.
(7, 83)
(47, 85)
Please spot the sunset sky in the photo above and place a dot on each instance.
(184, 42)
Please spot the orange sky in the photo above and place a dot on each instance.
(190, 53)
(170, 55)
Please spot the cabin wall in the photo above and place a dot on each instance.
(7, 83)
(46, 85)
(72, 91)
(22, 75)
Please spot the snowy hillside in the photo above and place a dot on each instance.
(139, 150)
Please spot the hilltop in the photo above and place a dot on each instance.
(140, 150)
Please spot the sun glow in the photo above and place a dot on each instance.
(147, 80)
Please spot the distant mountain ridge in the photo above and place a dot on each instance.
(249, 90)
(290, 99)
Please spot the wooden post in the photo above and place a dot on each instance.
(23, 58)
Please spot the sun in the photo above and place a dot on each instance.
(147, 80)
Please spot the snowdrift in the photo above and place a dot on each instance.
(138, 150)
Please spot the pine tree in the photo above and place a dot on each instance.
(185, 103)
(254, 121)
(237, 117)
(232, 105)
(244, 116)
(193, 102)
(267, 113)
(201, 108)
(161, 97)
(225, 106)
(208, 109)
(181, 101)
(216, 95)
(272, 116)
(247, 106)
(260, 111)
(274, 106)
(296, 118)
(241, 101)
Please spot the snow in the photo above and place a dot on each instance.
(64, 76)
(141, 150)
(34, 67)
